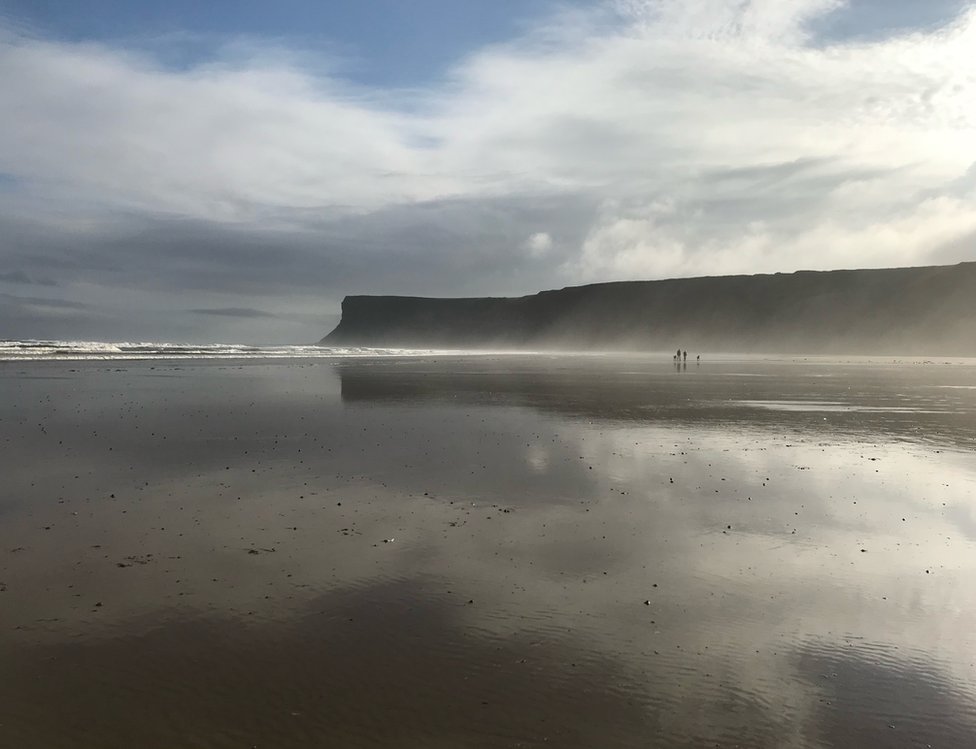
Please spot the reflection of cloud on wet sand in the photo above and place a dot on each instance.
(868, 401)
(387, 665)
(877, 696)
(401, 664)
(658, 556)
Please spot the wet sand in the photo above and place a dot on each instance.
(488, 552)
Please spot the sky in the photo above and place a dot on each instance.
(229, 171)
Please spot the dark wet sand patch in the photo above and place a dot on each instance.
(387, 666)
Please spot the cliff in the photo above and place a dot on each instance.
(918, 311)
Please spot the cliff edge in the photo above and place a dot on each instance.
(907, 311)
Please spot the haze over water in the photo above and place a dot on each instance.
(496, 551)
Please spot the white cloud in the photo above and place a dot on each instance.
(724, 19)
(713, 135)
(539, 244)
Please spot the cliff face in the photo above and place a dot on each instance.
(895, 311)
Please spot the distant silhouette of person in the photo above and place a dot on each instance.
(686, 356)
(698, 359)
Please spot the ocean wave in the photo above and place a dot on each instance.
(40, 350)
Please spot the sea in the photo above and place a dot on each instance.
(34, 350)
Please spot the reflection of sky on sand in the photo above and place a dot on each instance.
(833, 407)
(740, 582)
(869, 401)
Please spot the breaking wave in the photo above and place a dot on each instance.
(33, 350)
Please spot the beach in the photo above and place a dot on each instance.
(516, 550)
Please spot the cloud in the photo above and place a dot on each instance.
(245, 312)
(539, 244)
(19, 277)
(43, 302)
(775, 20)
(42, 317)
(650, 138)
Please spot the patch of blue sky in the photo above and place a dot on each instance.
(397, 43)
(868, 20)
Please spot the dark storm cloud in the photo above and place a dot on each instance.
(42, 302)
(38, 317)
(232, 312)
(467, 246)
(441, 248)
(19, 277)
